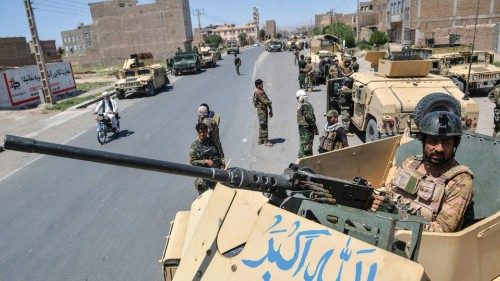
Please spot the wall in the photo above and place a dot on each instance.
(15, 51)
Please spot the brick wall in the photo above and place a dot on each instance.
(486, 36)
(15, 51)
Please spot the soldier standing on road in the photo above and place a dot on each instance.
(306, 121)
(309, 70)
(334, 136)
(212, 121)
(204, 153)
(345, 102)
(237, 63)
(346, 69)
(296, 53)
(264, 110)
(302, 74)
(334, 71)
(494, 97)
(354, 65)
(433, 185)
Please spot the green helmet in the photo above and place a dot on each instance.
(441, 123)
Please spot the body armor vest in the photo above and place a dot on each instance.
(420, 194)
(327, 141)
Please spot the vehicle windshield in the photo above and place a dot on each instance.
(206, 54)
(129, 73)
(185, 58)
(143, 71)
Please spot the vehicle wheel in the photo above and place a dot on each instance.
(120, 95)
(198, 69)
(151, 89)
(372, 133)
(436, 102)
(101, 136)
(175, 72)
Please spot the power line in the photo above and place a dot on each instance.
(58, 7)
(198, 12)
(59, 12)
(66, 4)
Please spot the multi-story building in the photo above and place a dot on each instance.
(15, 51)
(231, 31)
(412, 21)
(372, 16)
(271, 27)
(322, 20)
(77, 41)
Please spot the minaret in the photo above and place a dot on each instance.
(255, 13)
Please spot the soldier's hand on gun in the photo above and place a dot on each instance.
(377, 201)
(209, 162)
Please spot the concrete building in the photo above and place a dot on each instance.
(271, 27)
(422, 18)
(231, 31)
(49, 50)
(200, 34)
(122, 27)
(15, 51)
(322, 20)
(77, 41)
(372, 17)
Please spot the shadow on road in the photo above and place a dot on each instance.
(277, 140)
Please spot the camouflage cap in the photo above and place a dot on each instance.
(332, 112)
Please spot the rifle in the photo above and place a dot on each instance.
(355, 194)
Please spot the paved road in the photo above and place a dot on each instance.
(63, 219)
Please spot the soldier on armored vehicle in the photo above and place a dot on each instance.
(433, 185)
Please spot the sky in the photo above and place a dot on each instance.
(54, 16)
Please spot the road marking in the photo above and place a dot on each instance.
(257, 63)
(40, 156)
(245, 140)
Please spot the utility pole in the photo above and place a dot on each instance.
(163, 36)
(198, 12)
(358, 32)
(46, 96)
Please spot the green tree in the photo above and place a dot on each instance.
(243, 38)
(262, 35)
(378, 38)
(61, 51)
(343, 31)
(213, 39)
(317, 30)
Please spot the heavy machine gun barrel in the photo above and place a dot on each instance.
(349, 193)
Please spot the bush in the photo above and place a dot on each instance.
(378, 38)
(363, 45)
(343, 31)
(214, 39)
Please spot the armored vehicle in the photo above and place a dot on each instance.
(275, 46)
(324, 50)
(140, 74)
(208, 58)
(186, 62)
(291, 232)
(233, 47)
(383, 102)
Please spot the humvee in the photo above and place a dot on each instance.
(274, 46)
(208, 58)
(233, 47)
(140, 74)
(383, 103)
(324, 50)
(186, 62)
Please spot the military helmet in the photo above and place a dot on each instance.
(441, 123)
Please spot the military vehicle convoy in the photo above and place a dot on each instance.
(140, 74)
(185, 62)
(295, 234)
(383, 103)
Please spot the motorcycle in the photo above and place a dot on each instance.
(104, 128)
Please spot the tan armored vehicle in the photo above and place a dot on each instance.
(383, 103)
(324, 50)
(236, 233)
(140, 74)
(208, 57)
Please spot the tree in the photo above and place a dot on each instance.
(278, 35)
(243, 38)
(343, 31)
(213, 39)
(262, 35)
(378, 38)
(316, 30)
(60, 51)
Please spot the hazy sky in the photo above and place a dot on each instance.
(54, 16)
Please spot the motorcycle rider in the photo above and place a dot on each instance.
(109, 108)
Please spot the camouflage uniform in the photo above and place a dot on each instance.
(345, 105)
(308, 70)
(302, 75)
(237, 63)
(494, 97)
(307, 128)
(262, 104)
(442, 197)
(334, 72)
(332, 138)
(198, 153)
(296, 56)
(355, 66)
(213, 130)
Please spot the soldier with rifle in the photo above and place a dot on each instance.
(237, 63)
(204, 152)
(302, 74)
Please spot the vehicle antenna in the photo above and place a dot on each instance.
(466, 96)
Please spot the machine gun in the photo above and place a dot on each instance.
(335, 203)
